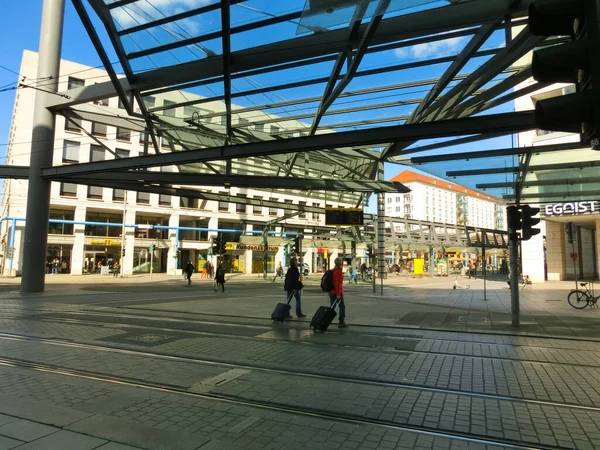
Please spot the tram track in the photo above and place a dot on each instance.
(267, 405)
(290, 372)
(386, 349)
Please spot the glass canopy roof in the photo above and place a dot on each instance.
(321, 89)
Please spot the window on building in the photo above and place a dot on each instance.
(164, 142)
(223, 206)
(103, 102)
(389, 200)
(73, 125)
(302, 214)
(260, 127)
(122, 153)
(149, 102)
(171, 111)
(272, 211)
(315, 216)
(123, 134)
(70, 152)
(118, 195)
(256, 209)
(290, 207)
(95, 192)
(68, 190)
(97, 153)
(275, 129)
(164, 200)
(224, 120)
(143, 198)
(60, 228)
(398, 209)
(240, 208)
(398, 198)
(243, 121)
(98, 129)
(190, 112)
(188, 202)
(75, 83)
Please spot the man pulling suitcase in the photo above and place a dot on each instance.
(332, 283)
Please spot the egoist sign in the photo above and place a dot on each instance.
(562, 209)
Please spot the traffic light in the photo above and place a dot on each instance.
(527, 213)
(151, 248)
(513, 216)
(370, 250)
(296, 246)
(221, 245)
(123, 252)
(571, 62)
(177, 254)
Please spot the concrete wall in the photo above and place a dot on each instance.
(532, 252)
(587, 265)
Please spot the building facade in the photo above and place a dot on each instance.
(93, 227)
(435, 200)
(567, 247)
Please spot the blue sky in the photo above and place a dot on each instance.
(19, 30)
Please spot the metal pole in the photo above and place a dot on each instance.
(123, 233)
(38, 192)
(11, 245)
(151, 263)
(483, 264)
(380, 230)
(513, 248)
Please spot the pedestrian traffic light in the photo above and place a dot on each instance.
(177, 254)
(151, 248)
(123, 252)
(513, 216)
(571, 62)
(527, 213)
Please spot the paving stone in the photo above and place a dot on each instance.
(8, 443)
(25, 430)
(64, 440)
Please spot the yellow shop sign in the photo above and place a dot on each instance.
(105, 242)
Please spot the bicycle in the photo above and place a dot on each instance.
(580, 299)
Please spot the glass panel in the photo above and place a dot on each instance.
(97, 153)
(123, 134)
(95, 192)
(118, 195)
(73, 124)
(98, 129)
(143, 197)
(164, 200)
(68, 189)
(75, 83)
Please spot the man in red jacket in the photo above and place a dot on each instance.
(337, 293)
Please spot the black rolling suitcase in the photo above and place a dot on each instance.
(323, 317)
(282, 310)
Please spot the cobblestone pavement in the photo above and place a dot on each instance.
(167, 368)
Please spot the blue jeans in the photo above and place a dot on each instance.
(298, 297)
(342, 306)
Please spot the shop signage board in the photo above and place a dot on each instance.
(571, 208)
(105, 242)
(258, 248)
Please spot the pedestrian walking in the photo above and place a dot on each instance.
(55, 264)
(189, 270)
(116, 269)
(293, 285)
(219, 279)
(473, 269)
(337, 293)
(209, 270)
(363, 271)
(278, 272)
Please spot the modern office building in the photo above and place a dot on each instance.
(567, 247)
(436, 200)
(87, 222)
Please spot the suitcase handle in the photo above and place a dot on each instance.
(289, 300)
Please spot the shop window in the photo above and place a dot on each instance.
(143, 198)
(70, 152)
(68, 190)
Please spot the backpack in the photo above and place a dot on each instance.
(327, 281)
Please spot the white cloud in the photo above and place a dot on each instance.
(146, 10)
(437, 48)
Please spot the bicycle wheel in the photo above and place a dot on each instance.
(578, 299)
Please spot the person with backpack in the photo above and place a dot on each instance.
(332, 282)
(220, 279)
(293, 285)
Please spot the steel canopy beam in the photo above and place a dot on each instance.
(484, 32)
(394, 29)
(225, 26)
(536, 183)
(511, 122)
(559, 166)
(493, 153)
(245, 181)
(14, 172)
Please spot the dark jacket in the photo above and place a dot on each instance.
(220, 276)
(292, 280)
(189, 268)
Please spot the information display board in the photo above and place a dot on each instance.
(344, 216)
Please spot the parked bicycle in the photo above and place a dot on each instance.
(580, 299)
